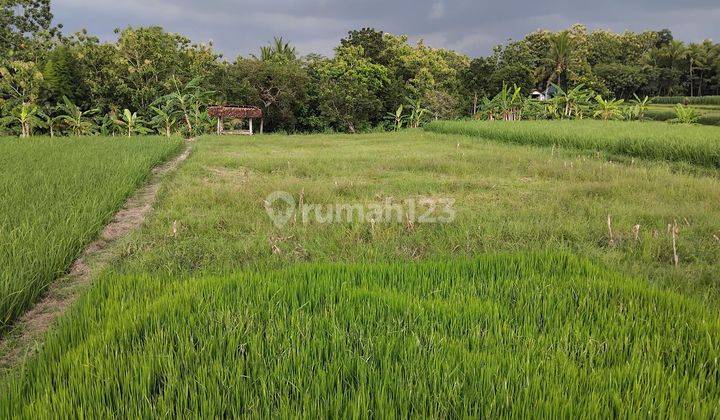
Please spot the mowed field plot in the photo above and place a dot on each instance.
(57, 194)
(569, 283)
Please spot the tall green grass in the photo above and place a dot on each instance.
(699, 145)
(538, 334)
(695, 100)
(56, 196)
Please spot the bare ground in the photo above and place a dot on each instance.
(25, 337)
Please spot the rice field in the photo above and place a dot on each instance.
(697, 145)
(553, 293)
(709, 114)
(57, 195)
(546, 335)
(695, 100)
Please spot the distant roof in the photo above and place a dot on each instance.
(235, 112)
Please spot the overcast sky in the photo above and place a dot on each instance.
(470, 26)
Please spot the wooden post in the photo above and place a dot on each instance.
(219, 126)
(251, 131)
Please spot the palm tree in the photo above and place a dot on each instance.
(27, 115)
(278, 50)
(699, 56)
(559, 53)
(75, 118)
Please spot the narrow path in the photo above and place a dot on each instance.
(24, 339)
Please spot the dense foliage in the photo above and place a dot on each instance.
(371, 75)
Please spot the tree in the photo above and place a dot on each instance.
(349, 88)
(621, 79)
(188, 102)
(60, 75)
(559, 55)
(440, 104)
(19, 20)
(21, 81)
(397, 118)
(477, 79)
(371, 41)
(278, 86)
(279, 50)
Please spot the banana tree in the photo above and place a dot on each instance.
(163, 121)
(188, 101)
(510, 103)
(417, 112)
(608, 109)
(639, 107)
(397, 118)
(27, 116)
(78, 121)
(50, 123)
(131, 123)
(107, 124)
(685, 114)
(507, 104)
(572, 103)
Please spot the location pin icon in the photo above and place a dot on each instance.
(280, 207)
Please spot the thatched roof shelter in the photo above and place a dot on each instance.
(236, 113)
(241, 112)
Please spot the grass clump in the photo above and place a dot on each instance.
(698, 145)
(57, 195)
(500, 335)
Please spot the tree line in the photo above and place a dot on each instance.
(153, 80)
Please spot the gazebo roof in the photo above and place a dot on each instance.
(235, 112)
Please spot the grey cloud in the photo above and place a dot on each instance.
(473, 27)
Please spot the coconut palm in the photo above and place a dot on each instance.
(278, 50)
(559, 56)
(77, 120)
